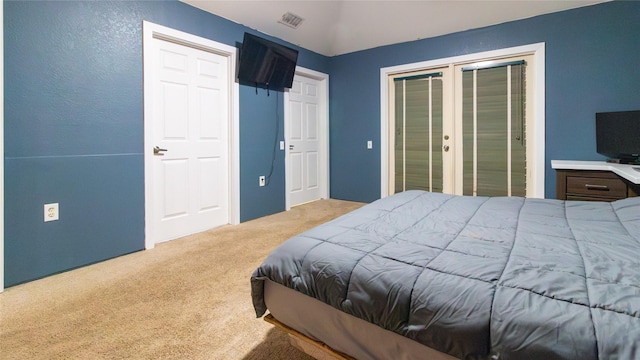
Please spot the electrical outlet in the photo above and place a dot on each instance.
(369, 144)
(51, 212)
(261, 180)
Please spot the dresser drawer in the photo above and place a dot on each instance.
(596, 186)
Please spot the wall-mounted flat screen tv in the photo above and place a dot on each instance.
(618, 135)
(266, 63)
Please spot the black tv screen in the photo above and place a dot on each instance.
(266, 63)
(618, 135)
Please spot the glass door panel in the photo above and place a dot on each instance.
(418, 115)
(494, 156)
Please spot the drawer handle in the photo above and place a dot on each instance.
(597, 187)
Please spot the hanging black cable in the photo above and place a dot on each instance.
(275, 141)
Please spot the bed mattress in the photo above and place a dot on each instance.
(477, 277)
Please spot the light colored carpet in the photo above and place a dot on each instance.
(184, 299)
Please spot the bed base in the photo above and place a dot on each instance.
(307, 345)
(327, 333)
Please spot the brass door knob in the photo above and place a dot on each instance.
(158, 151)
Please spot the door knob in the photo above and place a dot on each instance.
(158, 151)
(446, 148)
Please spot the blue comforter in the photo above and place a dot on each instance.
(478, 277)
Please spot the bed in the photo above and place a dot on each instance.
(434, 276)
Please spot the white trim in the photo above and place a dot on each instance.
(538, 128)
(475, 132)
(430, 134)
(404, 135)
(1, 146)
(509, 116)
(324, 134)
(149, 31)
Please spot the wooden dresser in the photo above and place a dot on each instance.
(595, 181)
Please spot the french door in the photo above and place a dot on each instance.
(420, 147)
(491, 114)
(461, 129)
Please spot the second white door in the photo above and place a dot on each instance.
(304, 141)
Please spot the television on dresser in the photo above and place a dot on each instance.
(618, 136)
(266, 63)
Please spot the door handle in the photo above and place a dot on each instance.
(445, 148)
(158, 151)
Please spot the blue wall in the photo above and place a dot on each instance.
(74, 129)
(592, 56)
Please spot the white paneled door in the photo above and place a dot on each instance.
(190, 140)
(304, 141)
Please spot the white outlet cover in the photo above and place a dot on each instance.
(51, 212)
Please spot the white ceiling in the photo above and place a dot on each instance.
(334, 27)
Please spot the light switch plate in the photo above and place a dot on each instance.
(369, 144)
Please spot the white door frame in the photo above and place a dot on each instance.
(151, 31)
(538, 126)
(323, 125)
(1, 146)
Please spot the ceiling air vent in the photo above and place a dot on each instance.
(291, 20)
